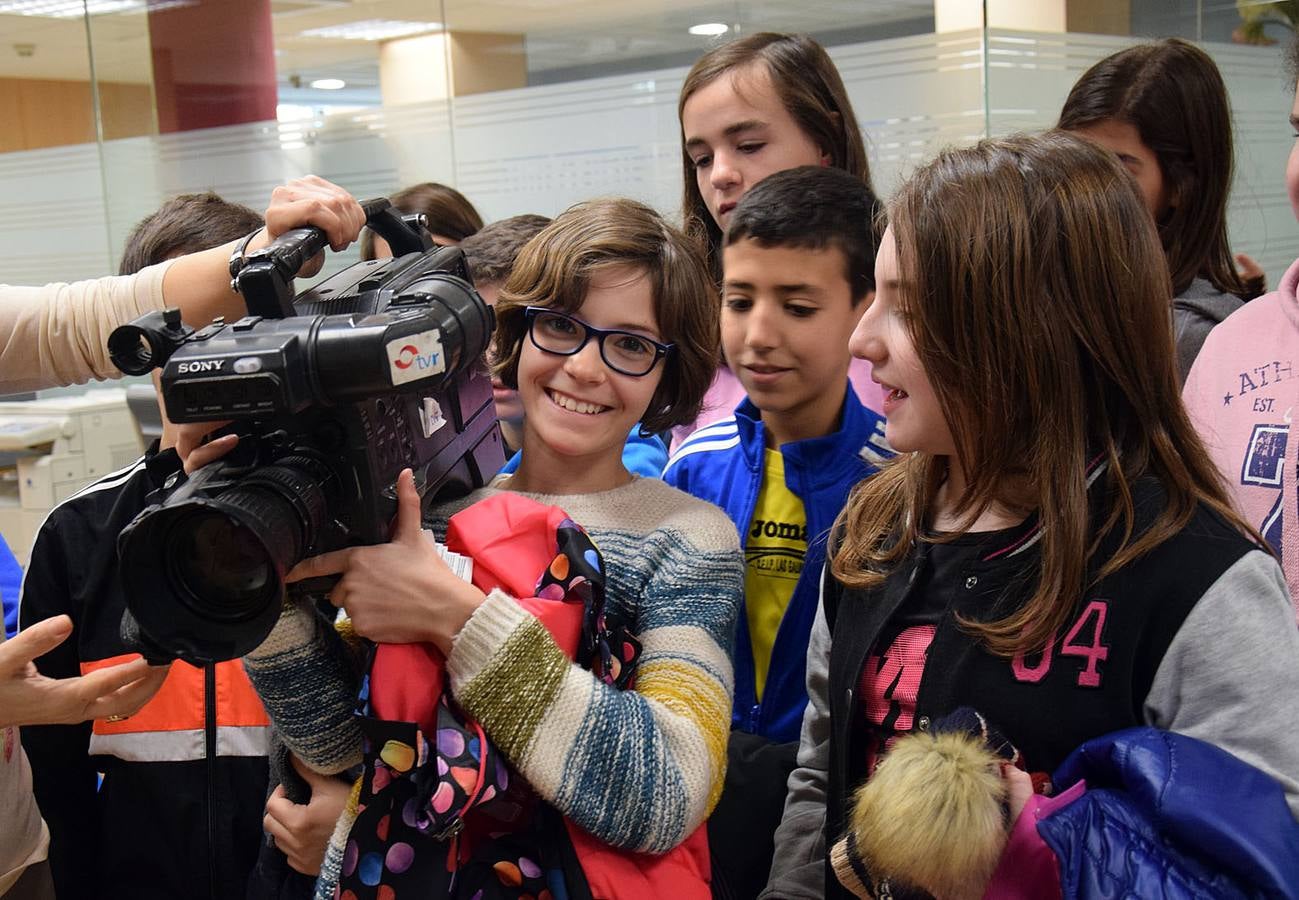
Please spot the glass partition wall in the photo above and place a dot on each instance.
(531, 105)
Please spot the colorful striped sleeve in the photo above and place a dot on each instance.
(306, 674)
(639, 769)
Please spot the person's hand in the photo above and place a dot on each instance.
(29, 698)
(1019, 789)
(1251, 273)
(400, 592)
(195, 454)
(302, 831)
(311, 201)
(188, 438)
(196, 457)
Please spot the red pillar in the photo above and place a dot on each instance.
(213, 64)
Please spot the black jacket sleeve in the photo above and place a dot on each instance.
(63, 776)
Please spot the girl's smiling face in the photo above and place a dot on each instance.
(914, 417)
(579, 411)
(737, 132)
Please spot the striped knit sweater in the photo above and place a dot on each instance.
(638, 769)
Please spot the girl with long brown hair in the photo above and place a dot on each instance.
(749, 108)
(1162, 109)
(1052, 546)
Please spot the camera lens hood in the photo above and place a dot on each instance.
(204, 575)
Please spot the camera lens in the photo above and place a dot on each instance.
(223, 568)
(204, 576)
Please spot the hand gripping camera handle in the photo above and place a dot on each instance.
(266, 279)
(293, 249)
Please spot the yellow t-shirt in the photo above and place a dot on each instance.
(773, 555)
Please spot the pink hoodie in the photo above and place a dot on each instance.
(1243, 397)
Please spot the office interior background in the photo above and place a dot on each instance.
(110, 106)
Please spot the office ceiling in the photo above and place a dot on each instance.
(558, 34)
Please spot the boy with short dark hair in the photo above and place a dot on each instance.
(798, 271)
(798, 263)
(183, 224)
(492, 250)
(490, 254)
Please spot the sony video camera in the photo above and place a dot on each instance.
(378, 368)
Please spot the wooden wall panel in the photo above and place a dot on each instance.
(46, 113)
(127, 109)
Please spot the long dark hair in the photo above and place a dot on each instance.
(449, 212)
(1171, 92)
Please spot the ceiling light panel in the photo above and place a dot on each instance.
(67, 9)
(372, 30)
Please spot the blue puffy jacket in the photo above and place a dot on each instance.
(1169, 816)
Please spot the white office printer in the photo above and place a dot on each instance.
(50, 449)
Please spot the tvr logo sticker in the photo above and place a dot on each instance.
(415, 356)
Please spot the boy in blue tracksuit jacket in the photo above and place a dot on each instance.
(798, 270)
(724, 464)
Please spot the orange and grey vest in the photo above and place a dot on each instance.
(179, 810)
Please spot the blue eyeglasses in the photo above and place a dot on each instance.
(623, 351)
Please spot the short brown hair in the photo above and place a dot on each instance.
(492, 250)
(812, 91)
(187, 223)
(1032, 285)
(1172, 93)
(556, 266)
(450, 214)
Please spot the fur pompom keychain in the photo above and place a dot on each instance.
(933, 819)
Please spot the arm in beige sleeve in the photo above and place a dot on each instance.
(57, 334)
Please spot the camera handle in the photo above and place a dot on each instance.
(404, 234)
(266, 279)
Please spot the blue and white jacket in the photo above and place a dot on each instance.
(723, 464)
